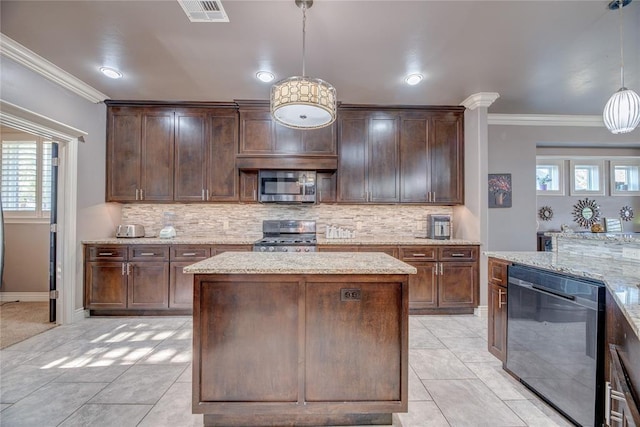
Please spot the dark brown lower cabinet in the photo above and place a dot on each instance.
(423, 286)
(458, 285)
(497, 318)
(291, 350)
(143, 279)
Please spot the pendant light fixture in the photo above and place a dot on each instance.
(302, 102)
(622, 111)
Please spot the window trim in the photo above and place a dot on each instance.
(577, 161)
(38, 215)
(552, 161)
(629, 161)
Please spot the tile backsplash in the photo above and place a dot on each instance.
(245, 220)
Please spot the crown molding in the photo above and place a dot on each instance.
(27, 121)
(544, 120)
(480, 99)
(20, 54)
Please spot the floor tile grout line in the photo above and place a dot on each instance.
(85, 402)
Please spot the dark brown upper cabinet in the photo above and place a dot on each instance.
(265, 144)
(205, 151)
(431, 157)
(368, 169)
(140, 144)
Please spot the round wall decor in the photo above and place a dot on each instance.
(545, 213)
(626, 213)
(586, 213)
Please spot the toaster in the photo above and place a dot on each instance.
(130, 231)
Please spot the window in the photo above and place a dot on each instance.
(549, 177)
(587, 177)
(625, 177)
(26, 175)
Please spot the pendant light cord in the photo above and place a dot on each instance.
(620, 6)
(304, 32)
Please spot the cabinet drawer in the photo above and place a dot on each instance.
(415, 253)
(459, 253)
(104, 253)
(498, 271)
(148, 253)
(189, 253)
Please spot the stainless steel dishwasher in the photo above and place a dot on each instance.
(555, 340)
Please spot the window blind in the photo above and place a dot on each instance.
(19, 175)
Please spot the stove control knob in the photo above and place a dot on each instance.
(306, 249)
(298, 249)
(285, 249)
(271, 249)
(262, 249)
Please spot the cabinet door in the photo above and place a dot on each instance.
(389, 250)
(105, 285)
(352, 158)
(423, 286)
(347, 340)
(622, 407)
(383, 171)
(257, 134)
(124, 145)
(190, 154)
(249, 186)
(223, 145)
(458, 285)
(148, 284)
(319, 141)
(180, 286)
(497, 338)
(414, 158)
(156, 170)
(326, 182)
(446, 145)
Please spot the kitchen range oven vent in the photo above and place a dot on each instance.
(204, 11)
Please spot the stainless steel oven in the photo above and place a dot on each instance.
(287, 236)
(287, 186)
(555, 340)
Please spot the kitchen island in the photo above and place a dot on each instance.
(300, 338)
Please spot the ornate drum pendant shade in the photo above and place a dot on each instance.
(302, 102)
(622, 112)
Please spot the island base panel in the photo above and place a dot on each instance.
(219, 420)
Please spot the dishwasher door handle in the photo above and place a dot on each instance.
(554, 292)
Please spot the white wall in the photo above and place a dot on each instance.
(28, 90)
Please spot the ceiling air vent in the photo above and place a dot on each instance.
(204, 11)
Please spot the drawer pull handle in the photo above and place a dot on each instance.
(147, 253)
(419, 255)
(458, 255)
(105, 254)
(189, 254)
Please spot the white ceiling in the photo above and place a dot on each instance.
(542, 57)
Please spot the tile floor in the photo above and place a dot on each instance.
(136, 372)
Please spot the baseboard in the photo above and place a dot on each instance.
(79, 314)
(481, 311)
(24, 296)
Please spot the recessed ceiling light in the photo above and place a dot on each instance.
(265, 76)
(413, 79)
(111, 72)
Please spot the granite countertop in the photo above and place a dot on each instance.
(301, 263)
(389, 240)
(621, 277)
(607, 237)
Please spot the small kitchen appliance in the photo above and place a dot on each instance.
(129, 230)
(168, 231)
(286, 186)
(287, 236)
(439, 227)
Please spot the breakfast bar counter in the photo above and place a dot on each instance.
(300, 338)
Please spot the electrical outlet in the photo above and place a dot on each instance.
(631, 253)
(225, 225)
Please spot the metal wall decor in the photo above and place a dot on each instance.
(626, 213)
(545, 213)
(586, 213)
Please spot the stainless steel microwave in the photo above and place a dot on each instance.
(287, 186)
